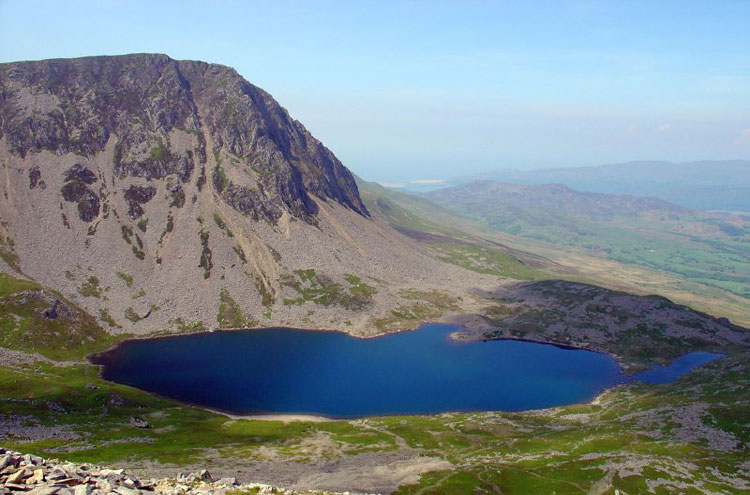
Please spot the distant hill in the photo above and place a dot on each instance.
(706, 185)
(709, 248)
(556, 200)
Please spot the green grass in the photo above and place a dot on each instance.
(564, 450)
(10, 285)
(220, 178)
(160, 152)
(23, 325)
(8, 254)
(686, 246)
(360, 288)
(132, 315)
(319, 289)
(9, 257)
(128, 279)
(206, 255)
(426, 306)
(409, 213)
(267, 294)
(222, 225)
(490, 261)
(107, 318)
(230, 313)
(240, 253)
(188, 326)
(90, 288)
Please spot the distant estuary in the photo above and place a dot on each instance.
(283, 371)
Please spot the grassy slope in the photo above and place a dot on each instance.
(446, 234)
(703, 247)
(557, 260)
(23, 326)
(720, 261)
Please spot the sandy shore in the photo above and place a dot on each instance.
(284, 418)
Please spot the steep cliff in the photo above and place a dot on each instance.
(168, 194)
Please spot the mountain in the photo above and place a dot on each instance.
(142, 195)
(711, 249)
(159, 194)
(706, 185)
(555, 199)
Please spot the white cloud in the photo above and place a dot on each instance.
(662, 128)
(392, 184)
(743, 138)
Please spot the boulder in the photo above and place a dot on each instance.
(138, 422)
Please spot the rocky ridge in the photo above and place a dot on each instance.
(127, 179)
(144, 102)
(33, 475)
(639, 331)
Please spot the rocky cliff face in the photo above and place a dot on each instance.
(160, 194)
(164, 116)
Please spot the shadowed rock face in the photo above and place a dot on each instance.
(79, 105)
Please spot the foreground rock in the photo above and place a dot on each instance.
(26, 473)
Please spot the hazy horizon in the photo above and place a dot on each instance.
(405, 91)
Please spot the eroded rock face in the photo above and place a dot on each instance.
(35, 178)
(76, 190)
(137, 196)
(161, 114)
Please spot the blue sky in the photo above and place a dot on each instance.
(419, 90)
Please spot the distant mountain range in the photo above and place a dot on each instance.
(705, 185)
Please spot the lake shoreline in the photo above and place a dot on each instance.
(452, 334)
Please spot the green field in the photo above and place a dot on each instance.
(702, 247)
(716, 260)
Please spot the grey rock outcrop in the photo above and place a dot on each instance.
(78, 105)
(33, 475)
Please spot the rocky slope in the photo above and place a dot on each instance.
(639, 331)
(31, 474)
(162, 194)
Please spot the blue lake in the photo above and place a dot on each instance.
(332, 374)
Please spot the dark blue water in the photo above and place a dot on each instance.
(333, 374)
(678, 367)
